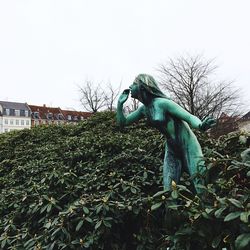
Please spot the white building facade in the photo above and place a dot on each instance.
(14, 116)
(244, 123)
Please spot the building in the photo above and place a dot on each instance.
(244, 122)
(225, 124)
(14, 116)
(75, 116)
(41, 115)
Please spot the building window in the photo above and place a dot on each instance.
(36, 122)
(22, 122)
(69, 117)
(36, 115)
(17, 112)
(22, 112)
(26, 113)
(6, 121)
(5, 130)
(17, 122)
(7, 112)
(11, 122)
(60, 117)
(27, 122)
(12, 112)
(49, 116)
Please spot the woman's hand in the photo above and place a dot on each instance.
(124, 96)
(207, 123)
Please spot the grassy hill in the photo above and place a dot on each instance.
(94, 186)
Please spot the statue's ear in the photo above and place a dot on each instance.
(142, 88)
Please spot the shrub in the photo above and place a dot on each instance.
(94, 186)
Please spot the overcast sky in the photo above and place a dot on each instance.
(48, 47)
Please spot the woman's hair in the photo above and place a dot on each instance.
(148, 83)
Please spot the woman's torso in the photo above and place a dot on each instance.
(170, 126)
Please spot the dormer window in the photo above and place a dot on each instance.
(22, 112)
(49, 116)
(60, 117)
(69, 117)
(12, 112)
(7, 111)
(36, 115)
(17, 112)
(75, 118)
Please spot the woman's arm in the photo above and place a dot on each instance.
(123, 120)
(177, 111)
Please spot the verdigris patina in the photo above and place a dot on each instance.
(182, 150)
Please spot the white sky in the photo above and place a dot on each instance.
(48, 47)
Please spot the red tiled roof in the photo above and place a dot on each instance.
(69, 115)
(77, 114)
(44, 110)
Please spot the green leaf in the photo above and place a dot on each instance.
(88, 219)
(174, 194)
(85, 210)
(160, 193)
(79, 225)
(236, 203)
(218, 212)
(184, 188)
(49, 207)
(30, 242)
(209, 210)
(156, 206)
(242, 139)
(43, 208)
(52, 246)
(232, 216)
(3, 243)
(57, 230)
(98, 224)
(174, 207)
(216, 241)
(244, 216)
(133, 190)
(106, 223)
(47, 225)
(98, 209)
(242, 241)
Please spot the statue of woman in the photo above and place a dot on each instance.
(182, 150)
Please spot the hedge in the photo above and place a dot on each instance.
(95, 186)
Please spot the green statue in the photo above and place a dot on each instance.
(182, 150)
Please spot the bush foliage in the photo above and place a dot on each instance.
(94, 186)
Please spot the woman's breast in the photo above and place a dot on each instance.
(165, 123)
(169, 126)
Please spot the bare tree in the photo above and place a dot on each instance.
(190, 82)
(92, 96)
(132, 105)
(111, 95)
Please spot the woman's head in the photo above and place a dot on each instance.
(145, 84)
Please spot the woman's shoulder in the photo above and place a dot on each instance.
(160, 101)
